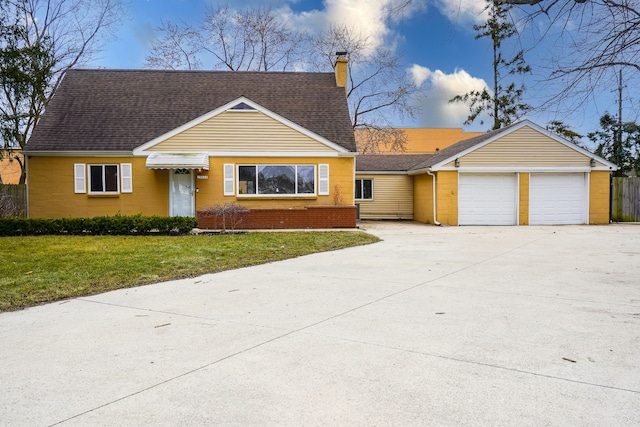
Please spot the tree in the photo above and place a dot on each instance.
(377, 84)
(25, 70)
(177, 49)
(559, 128)
(377, 140)
(40, 41)
(257, 39)
(594, 37)
(504, 104)
(619, 143)
(253, 39)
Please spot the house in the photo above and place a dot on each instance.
(422, 140)
(10, 169)
(432, 140)
(178, 142)
(518, 175)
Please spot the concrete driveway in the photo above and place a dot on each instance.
(432, 326)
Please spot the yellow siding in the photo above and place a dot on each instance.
(524, 199)
(424, 140)
(392, 197)
(240, 132)
(341, 183)
(599, 189)
(524, 147)
(431, 140)
(423, 198)
(51, 187)
(447, 197)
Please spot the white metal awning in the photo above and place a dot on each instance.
(178, 161)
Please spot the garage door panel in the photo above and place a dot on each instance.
(487, 199)
(558, 198)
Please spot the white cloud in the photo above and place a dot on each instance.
(368, 18)
(419, 74)
(463, 11)
(365, 17)
(438, 88)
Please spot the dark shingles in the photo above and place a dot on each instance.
(389, 162)
(118, 110)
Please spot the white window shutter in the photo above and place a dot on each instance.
(79, 178)
(228, 179)
(125, 176)
(323, 180)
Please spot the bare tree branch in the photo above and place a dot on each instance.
(594, 38)
(175, 50)
(65, 34)
(257, 39)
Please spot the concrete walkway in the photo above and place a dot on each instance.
(432, 326)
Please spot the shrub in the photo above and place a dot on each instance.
(102, 225)
(227, 215)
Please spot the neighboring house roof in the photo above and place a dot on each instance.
(119, 110)
(389, 162)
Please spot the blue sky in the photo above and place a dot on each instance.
(436, 38)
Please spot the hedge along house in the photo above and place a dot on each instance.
(521, 174)
(178, 142)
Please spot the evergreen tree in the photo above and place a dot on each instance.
(504, 104)
(618, 143)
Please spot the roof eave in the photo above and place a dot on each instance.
(79, 153)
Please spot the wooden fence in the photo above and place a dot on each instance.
(625, 199)
(13, 200)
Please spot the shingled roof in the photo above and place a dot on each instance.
(459, 147)
(389, 162)
(119, 110)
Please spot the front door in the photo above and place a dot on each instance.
(181, 193)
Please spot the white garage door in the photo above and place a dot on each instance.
(558, 198)
(487, 199)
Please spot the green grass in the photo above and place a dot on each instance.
(36, 270)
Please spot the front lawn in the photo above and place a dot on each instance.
(36, 270)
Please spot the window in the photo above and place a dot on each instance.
(364, 189)
(103, 179)
(277, 179)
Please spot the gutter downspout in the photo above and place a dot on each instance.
(434, 198)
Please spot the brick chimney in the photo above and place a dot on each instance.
(340, 68)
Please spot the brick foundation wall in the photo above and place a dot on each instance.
(297, 218)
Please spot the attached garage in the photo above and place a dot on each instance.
(560, 198)
(487, 199)
(519, 175)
